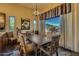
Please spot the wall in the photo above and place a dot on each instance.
(17, 11)
(76, 27)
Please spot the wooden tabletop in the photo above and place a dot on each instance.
(44, 40)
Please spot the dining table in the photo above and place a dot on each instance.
(45, 40)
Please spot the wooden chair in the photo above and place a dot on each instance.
(5, 45)
(25, 48)
(22, 45)
(52, 47)
(12, 39)
(55, 44)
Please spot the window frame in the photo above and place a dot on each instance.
(9, 23)
(52, 18)
(35, 25)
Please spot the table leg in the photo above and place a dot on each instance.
(40, 52)
(57, 53)
(36, 51)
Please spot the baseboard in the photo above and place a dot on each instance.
(73, 52)
(66, 49)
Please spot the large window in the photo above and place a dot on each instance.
(51, 23)
(12, 23)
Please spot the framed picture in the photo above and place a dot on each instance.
(25, 24)
(2, 21)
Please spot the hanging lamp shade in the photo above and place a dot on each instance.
(36, 13)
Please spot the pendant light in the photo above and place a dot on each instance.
(36, 11)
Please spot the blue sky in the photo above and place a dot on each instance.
(54, 21)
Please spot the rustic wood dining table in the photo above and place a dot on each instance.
(44, 41)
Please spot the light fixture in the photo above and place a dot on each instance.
(36, 11)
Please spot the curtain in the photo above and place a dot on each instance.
(67, 39)
(57, 11)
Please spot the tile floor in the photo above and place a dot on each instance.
(62, 52)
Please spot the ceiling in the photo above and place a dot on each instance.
(39, 5)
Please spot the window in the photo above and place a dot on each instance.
(35, 24)
(41, 25)
(11, 23)
(52, 22)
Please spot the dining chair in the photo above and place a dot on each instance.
(51, 47)
(25, 47)
(22, 45)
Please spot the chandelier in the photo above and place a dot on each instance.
(36, 11)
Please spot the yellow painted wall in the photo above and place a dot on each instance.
(76, 27)
(17, 11)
